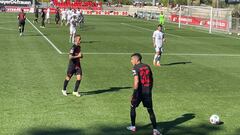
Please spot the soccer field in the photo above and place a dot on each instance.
(199, 76)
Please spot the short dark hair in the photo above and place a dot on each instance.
(78, 36)
(138, 55)
(160, 25)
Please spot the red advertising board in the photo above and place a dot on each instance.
(53, 11)
(16, 9)
(197, 21)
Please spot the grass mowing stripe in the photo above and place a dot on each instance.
(50, 42)
(148, 29)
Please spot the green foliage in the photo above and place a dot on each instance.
(180, 2)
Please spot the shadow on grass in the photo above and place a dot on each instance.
(112, 89)
(53, 131)
(167, 128)
(176, 63)
(168, 125)
(89, 42)
(33, 35)
(200, 129)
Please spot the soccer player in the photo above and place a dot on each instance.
(161, 18)
(48, 15)
(36, 12)
(74, 67)
(158, 40)
(21, 22)
(69, 15)
(143, 83)
(43, 15)
(81, 19)
(64, 17)
(73, 28)
(57, 16)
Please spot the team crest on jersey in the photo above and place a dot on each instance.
(134, 72)
(71, 51)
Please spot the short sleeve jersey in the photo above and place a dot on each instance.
(21, 16)
(144, 73)
(75, 50)
(159, 36)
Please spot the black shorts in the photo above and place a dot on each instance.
(146, 100)
(77, 70)
(21, 23)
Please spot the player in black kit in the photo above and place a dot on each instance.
(57, 16)
(36, 12)
(143, 83)
(21, 21)
(74, 66)
(43, 15)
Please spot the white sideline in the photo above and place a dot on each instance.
(170, 54)
(49, 41)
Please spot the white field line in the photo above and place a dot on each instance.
(148, 29)
(170, 54)
(49, 41)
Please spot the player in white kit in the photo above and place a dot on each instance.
(73, 28)
(158, 40)
(69, 16)
(64, 17)
(48, 15)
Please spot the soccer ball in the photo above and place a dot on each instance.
(214, 119)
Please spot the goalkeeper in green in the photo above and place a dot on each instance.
(162, 19)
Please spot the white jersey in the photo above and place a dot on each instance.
(73, 26)
(78, 13)
(74, 14)
(48, 13)
(69, 15)
(64, 15)
(158, 36)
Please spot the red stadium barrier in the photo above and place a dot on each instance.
(85, 12)
(16, 9)
(218, 24)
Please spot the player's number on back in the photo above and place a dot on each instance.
(144, 73)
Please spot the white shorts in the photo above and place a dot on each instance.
(72, 30)
(64, 18)
(159, 49)
(47, 16)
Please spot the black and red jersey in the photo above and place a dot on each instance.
(144, 73)
(21, 16)
(75, 50)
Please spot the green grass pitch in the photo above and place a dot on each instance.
(200, 76)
